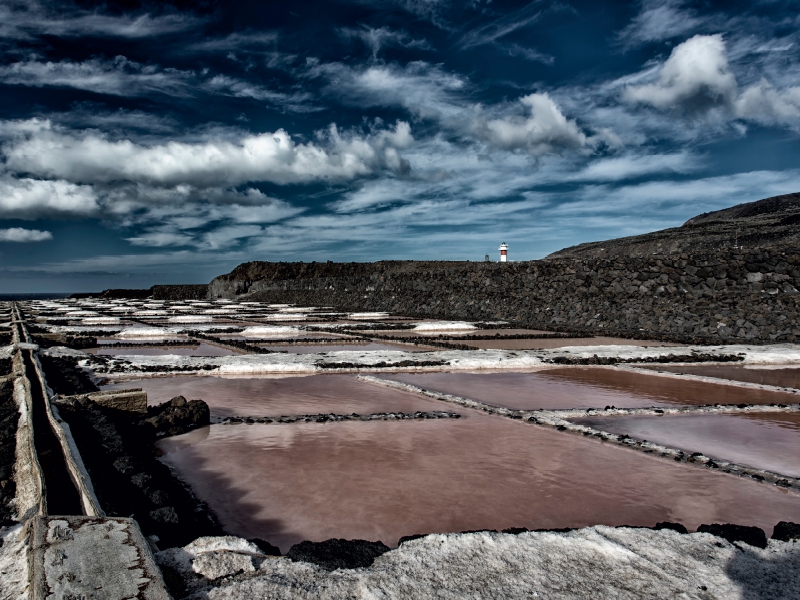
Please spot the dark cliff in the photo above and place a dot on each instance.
(769, 223)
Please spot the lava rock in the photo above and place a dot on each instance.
(338, 553)
(673, 526)
(754, 536)
(176, 417)
(786, 531)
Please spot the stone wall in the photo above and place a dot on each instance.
(714, 297)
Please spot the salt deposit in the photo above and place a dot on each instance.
(597, 562)
(444, 326)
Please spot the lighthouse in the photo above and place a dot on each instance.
(503, 252)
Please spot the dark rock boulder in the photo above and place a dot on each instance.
(754, 536)
(337, 553)
(673, 526)
(176, 416)
(786, 532)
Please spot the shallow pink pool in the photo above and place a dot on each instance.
(198, 350)
(585, 387)
(781, 377)
(769, 441)
(382, 480)
(273, 396)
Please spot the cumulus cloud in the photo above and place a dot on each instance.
(26, 198)
(694, 78)
(766, 105)
(18, 234)
(545, 131)
(275, 157)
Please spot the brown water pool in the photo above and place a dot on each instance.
(198, 350)
(760, 440)
(780, 376)
(585, 387)
(383, 480)
(265, 396)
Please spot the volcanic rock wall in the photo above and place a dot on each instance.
(724, 296)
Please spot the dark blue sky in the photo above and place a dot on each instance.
(147, 143)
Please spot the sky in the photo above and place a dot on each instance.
(145, 143)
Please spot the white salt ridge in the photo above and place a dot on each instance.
(190, 319)
(452, 360)
(220, 311)
(444, 326)
(149, 313)
(297, 309)
(595, 562)
(276, 330)
(149, 332)
(286, 317)
(369, 315)
(100, 321)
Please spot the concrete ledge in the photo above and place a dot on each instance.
(133, 400)
(30, 498)
(86, 557)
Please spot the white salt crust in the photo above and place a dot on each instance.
(596, 562)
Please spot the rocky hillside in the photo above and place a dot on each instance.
(769, 223)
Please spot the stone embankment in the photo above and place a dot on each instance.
(713, 297)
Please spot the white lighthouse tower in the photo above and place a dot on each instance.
(503, 252)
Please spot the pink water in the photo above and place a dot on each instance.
(304, 349)
(585, 387)
(760, 440)
(383, 480)
(782, 377)
(199, 350)
(340, 394)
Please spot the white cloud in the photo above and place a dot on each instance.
(425, 90)
(25, 21)
(766, 105)
(18, 234)
(160, 239)
(694, 78)
(502, 26)
(118, 77)
(25, 198)
(629, 166)
(49, 152)
(545, 131)
(376, 38)
(660, 20)
(224, 85)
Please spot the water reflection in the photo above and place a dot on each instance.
(262, 396)
(590, 387)
(781, 377)
(768, 441)
(383, 480)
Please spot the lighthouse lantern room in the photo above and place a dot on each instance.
(503, 252)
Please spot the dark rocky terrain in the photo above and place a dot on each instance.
(769, 223)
